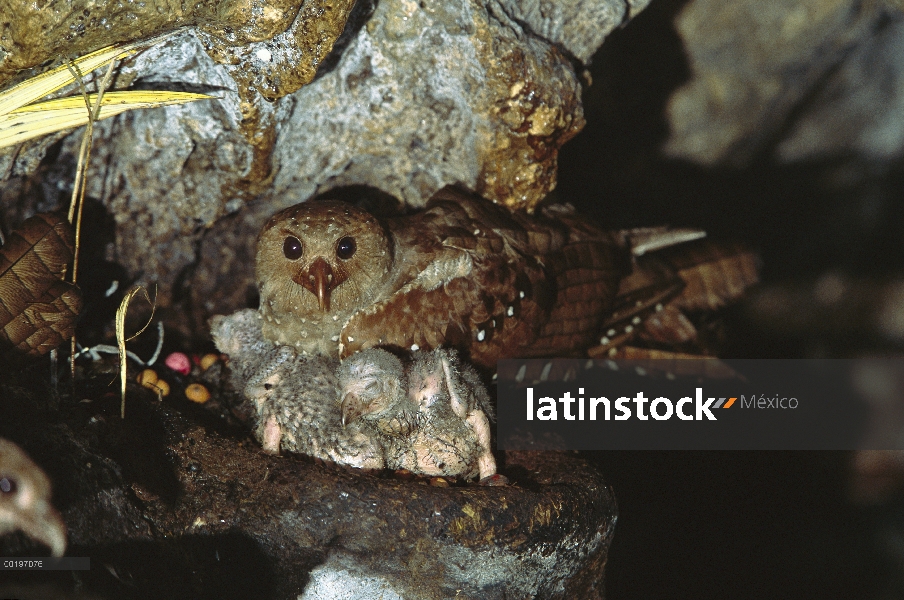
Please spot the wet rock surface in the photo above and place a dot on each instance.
(297, 34)
(178, 502)
(414, 96)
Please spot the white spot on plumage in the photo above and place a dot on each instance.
(481, 335)
(522, 371)
(629, 329)
(415, 347)
(510, 311)
(611, 333)
(636, 320)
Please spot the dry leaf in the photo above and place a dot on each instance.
(51, 116)
(22, 119)
(38, 310)
(50, 81)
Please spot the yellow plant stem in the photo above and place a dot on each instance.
(121, 335)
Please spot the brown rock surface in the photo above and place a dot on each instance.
(184, 506)
(297, 34)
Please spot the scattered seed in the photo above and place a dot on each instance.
(162, 388)
(179, 362)
(197, 393)
(209, 360)
(147, 378)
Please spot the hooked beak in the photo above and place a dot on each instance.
(351, 408)
(319, 280)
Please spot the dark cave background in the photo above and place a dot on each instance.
(708, 525)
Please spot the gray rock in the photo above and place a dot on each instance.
(580, 26)
(859, 108)
(423, 95)
(817, 78)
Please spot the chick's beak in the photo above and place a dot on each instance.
(319, 280)
(351, 408)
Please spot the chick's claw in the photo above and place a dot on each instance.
(495, 480)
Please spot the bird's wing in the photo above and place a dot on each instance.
(715, 273)
(464, 282)
(586, 274)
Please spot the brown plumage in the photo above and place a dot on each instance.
(463, 273)
(688, 278)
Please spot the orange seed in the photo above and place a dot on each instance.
(209, 360)
(197, 393)
(147, 378)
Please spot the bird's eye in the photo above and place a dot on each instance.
(292, 248)
(346, 247)
(7, 485)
